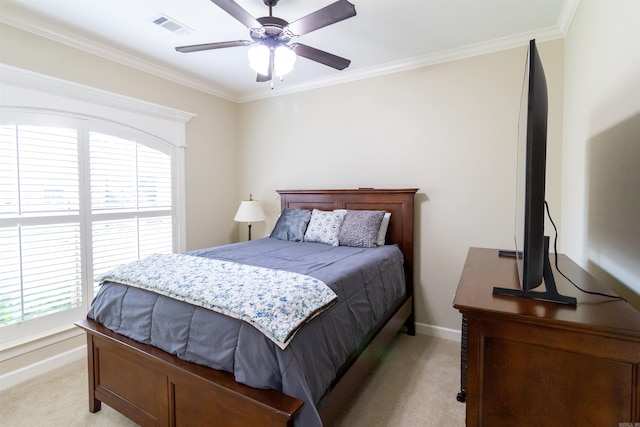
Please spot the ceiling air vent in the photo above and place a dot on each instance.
(171, 24)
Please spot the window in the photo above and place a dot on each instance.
(67, 217)
(40, 240)
(130, 201)
(88, 179)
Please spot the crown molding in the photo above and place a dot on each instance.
(567, 13)
(491, 46)
(58, 34)
(61, 35)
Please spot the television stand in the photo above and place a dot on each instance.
(532, 363)
(551, 293)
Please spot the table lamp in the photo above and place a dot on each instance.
(249, 211)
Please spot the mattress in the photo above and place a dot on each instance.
(368, 282)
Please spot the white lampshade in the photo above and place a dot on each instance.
(250, 211)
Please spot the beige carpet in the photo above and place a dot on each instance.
(415, 385)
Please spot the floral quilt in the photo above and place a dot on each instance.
(275, 302)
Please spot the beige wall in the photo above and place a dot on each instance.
(211, 156)
(601, 173)
(450, 130)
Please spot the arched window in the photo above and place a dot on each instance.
(78, 195)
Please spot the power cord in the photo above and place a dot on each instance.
(555, 250)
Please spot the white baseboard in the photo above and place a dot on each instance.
(23, 374)
(439, 332)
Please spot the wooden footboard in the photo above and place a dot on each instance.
(155, 388)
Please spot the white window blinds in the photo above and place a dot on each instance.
(50, 266)
(40, 238)
(151, 210)
(113, 173)
(130, 201)
(8, 171)
(74, 204)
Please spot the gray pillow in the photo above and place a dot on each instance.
(291, 225)
(360, 228)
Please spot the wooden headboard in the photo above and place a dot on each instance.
(399, 202)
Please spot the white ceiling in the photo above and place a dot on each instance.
(385, 36)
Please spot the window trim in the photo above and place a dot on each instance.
(28, 92)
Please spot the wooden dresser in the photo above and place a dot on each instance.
(534, 363)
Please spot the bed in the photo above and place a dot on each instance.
(123, 370)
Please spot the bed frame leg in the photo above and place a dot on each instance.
(411, 326)
(410, 323)
(94, 404)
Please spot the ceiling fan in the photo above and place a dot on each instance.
(271, 52)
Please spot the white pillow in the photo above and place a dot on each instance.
(382, 232)
(324, 227)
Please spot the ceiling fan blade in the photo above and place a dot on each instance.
(235, 10)
(328, 15)
(209, 46)
(320, 56)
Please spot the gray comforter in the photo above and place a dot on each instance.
(368, 283)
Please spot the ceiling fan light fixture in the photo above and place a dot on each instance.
(270, 53)
(284, 60)
(259, 56)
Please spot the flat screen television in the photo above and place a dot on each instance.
(531, 245)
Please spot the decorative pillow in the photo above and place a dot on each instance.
(324, 227)
(360, 228)
(291, 225)
(382, 233)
